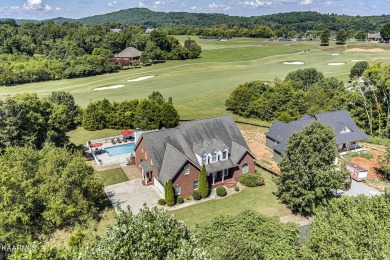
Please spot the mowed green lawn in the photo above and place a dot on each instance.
(260, 199)
(200, 87)
(111, 177)
(80, 136)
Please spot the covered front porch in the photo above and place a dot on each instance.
(221, 178)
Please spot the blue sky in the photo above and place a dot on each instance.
(43, 9)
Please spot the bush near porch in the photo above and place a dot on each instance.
(252, 180)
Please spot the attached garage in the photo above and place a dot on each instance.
(159, 186)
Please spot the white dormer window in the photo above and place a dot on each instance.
(224, 155)
(204, 159)
(214, 157)
(186, 170)
(345, 130)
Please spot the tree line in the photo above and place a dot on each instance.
(147, 114)
(298, 21)
(307, 91)
(47, 51)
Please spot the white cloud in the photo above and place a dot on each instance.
(213, 6)
(256, 3)
(141, 4)
(112, 4)
(306, 2)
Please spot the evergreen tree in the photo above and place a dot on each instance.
(308, 176)
(147, 115)
(203, 184)
(169, 194)
(169, 116)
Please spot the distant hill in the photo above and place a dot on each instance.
(299, 21)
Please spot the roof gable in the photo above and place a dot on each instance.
(129, 52)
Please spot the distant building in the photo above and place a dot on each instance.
(127, 57)
(148, 30)
(374, 37)
(117, 30)
(347, 132)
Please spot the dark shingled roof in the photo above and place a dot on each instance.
(146, 167)
(129, 52)
(171, 148)
(338, 120)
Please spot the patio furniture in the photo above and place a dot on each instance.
(119, 141)
(113, 141)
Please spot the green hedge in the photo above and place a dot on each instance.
(180, 199)
(252, 180)
(221, 191)
(161, 202)
(196, 195)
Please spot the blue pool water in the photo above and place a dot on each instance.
(120, 149)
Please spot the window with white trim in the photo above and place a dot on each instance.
(204, 159)
(186, 170)
(224, 155)
(196, 184)
(245, 168)
(214, 157)
(177, 190)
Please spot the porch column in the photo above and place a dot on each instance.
(223, 175)
(213, 178)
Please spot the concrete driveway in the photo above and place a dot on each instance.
(134, 194)
(361, 188)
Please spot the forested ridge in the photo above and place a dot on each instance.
(299, 21)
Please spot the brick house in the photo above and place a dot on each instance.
(179, 153)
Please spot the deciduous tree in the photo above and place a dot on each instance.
(308, 177)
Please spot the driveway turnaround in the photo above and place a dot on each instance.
(361, 188)
(134, 194)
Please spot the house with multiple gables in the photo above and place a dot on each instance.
(178, 154)
(347, 132)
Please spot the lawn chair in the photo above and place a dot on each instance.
(119, 140)
(125, 139)
(113, 141)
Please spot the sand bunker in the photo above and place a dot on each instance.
(140, 79)
(336, 63)
(335, 54)
(293, 62)
(357, 60)
(367, 50)
(112, 87)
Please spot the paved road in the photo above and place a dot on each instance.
(134, 194)
(361, 188)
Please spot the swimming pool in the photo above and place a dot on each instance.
(120, 149)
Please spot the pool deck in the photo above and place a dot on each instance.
(105, 157)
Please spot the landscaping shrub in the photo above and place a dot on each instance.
(252, 180)
(180, 199)
(236, 188)
(188, 197)
(161, 202)
(169, 193)
(203, 183)
(221, 191)
(196, 195)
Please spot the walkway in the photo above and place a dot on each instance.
(361, 188)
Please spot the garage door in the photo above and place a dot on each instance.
(159, 186)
